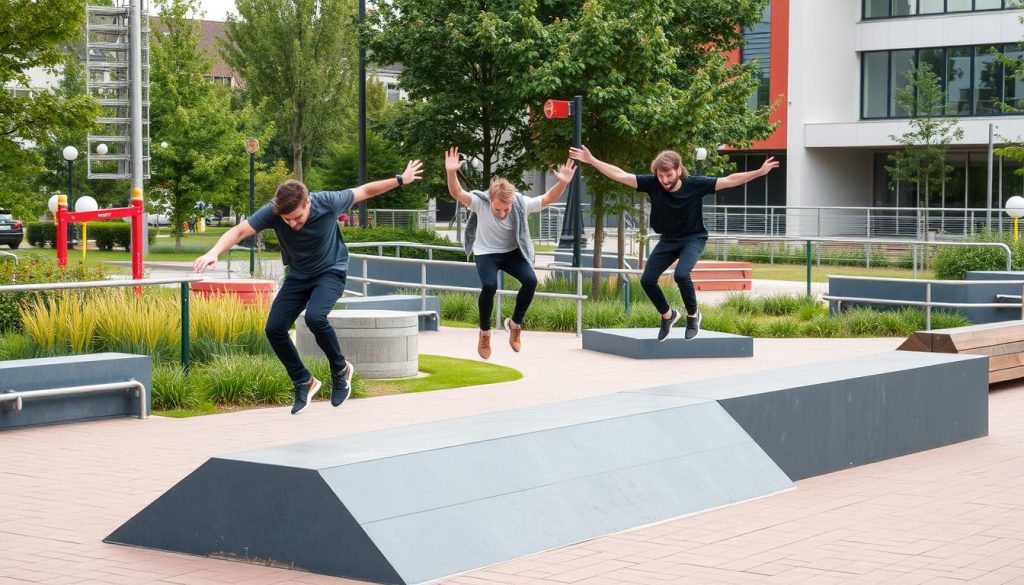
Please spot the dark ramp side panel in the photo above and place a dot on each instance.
(824, 417)
(419, 503)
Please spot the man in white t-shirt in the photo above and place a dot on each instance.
(499, 238)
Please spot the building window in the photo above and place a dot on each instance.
(394, 94)
(974, 80)
(901, 8)
(757, 45)
(219, 79)
(19, 92)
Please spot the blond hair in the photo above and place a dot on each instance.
(502, 190)
(668, 160)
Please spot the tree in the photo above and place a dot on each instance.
(651, 79)
(205, 158)
(466, 67)
(932, 127)
(298, 58)
(33, 33)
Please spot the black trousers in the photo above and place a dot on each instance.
(513, 263)
(686, 252)
(317, 296)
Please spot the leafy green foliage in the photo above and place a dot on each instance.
(31, 270)
(954, 262)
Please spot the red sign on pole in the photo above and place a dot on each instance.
(556, 109)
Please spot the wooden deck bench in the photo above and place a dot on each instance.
(1002, 342)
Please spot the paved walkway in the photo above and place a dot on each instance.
(950, 515)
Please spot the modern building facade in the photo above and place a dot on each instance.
(839, 64)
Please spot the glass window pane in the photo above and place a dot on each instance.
(932, 6)
(876, 8)
(1014, 88)
(988, 81)
(956, 180)
(874, 94)
(958, 5)
(902, 62)
(933, 60)
(988, 4)
(977, 172)
(958, 79)
(904, 7)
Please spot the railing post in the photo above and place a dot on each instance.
(366, 277)
(423, 287)
(497, 304)
(627, 293)
(398, 250)
(914, 258)
(579, 303)
(185, 346)
(808, 268)
(928, 306)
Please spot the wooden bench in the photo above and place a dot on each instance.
(1002, 342)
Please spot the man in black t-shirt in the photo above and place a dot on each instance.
(312, 248)
(677, 216)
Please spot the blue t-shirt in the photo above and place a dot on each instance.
(677, 215)
(316, 248)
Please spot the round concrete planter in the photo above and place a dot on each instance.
(380, 344)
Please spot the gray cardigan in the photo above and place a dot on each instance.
(519, 224)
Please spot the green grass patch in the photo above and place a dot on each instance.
(443, 373)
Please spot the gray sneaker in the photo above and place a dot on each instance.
(693, 325)
(666, 325)
(304, 392)
(341, 384)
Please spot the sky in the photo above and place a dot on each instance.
(217, 9)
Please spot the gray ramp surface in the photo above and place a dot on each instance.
(642, 343)
(418, 503)
(828, 416)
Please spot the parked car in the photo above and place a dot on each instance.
(12, 231)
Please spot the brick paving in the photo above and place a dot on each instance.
(950, 515)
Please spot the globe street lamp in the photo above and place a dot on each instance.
(252, 146)
(1014, 207)
(700, 153)
(70, 154)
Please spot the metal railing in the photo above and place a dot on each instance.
(928, 303)
(18, 396)
(183, 281)
(9, 255)
(423, 285)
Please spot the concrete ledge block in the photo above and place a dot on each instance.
(643, 344)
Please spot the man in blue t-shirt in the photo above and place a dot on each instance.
(677, 203)
(312, 248)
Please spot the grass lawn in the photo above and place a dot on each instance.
(441, 372)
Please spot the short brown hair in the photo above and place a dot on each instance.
(502, 190)
(668, 160)
(288, 197)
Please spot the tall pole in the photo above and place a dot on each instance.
(574, 194)
(135, 74)
(988, 182)
(71, 170)
(362, 115)
(252, 210)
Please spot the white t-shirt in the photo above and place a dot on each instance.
(493, 235)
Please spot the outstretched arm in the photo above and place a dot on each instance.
(413, 172)
(226, 241)
(737, 179)
(611, 171)
(452, 164)
(564, 176)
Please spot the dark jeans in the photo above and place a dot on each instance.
(664, 254)
(317, 296)
(513, 263)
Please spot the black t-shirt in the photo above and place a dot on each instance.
(677, 215)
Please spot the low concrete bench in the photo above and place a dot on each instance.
(427, 309)
(381, 344)
(1002, 342)
(64, 389)
(640, 343)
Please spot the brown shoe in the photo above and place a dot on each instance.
(483, 347)
(514, 331)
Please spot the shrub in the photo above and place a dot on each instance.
(354, 235)
(16, 346)
(41, 233)
(953, 262)
(172, 389)
(115, 234)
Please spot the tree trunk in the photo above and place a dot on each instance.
(598, 213)
(297, 161)
(622, 246)
(641, 256)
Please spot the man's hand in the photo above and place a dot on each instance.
(566, 171)
(581, 154)
(769, 165)
(452, 163)
(413, 172)
(208, 260)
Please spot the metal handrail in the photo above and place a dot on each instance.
(18, 396)
(8, 254)
(183, 281)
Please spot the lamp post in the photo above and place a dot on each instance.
(700, 153)
(70, 154)
(252, 146)
(361, 15)
(1014, 207)
(85, 203)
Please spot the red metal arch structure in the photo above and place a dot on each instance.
(135, 211)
